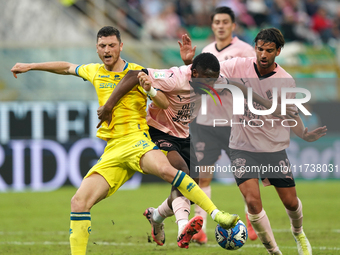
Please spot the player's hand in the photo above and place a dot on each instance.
(144, 81)
(186, 50)
(104, 115)
(20, 68)
(315, 134)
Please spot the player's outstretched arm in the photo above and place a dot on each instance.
(159, 99)
(58, 67)
(301, 131)
(186, 50)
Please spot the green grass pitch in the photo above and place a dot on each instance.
(38, 222)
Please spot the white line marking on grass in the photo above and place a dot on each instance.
(153, 244)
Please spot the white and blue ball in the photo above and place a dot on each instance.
(232, 239)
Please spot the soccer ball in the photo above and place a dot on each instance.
(232, 239)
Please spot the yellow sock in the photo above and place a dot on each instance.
(189, 188)
(80, 230)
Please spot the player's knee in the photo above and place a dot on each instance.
(254, 204)
(77, 204)
(167, 173)
(291, 204)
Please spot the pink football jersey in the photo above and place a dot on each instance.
(236, 48)
(183, 102)
(264, 133)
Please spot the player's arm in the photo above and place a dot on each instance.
(186, 50)
(159, 99)
(58, 67)
(124, 86)
(301, 131)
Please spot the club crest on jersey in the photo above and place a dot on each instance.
(116, 78)
(159, 75)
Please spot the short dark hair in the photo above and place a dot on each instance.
(270, 35)
(206, 61)
(226, 10)
(109, 31)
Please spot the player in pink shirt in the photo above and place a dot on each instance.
(258, 142)
(207, 139)
(254, 146)
(169, 130)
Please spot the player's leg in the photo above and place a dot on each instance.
(293, 207)
(257, 216)
(176, 204)
(103, 179)
(248, 183)
(207, 143)
(284, 183)
(92, 189)
(155, 162)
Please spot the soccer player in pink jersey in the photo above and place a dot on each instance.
(207, 139)
(258, 142)
(253, 147)
(169, 129)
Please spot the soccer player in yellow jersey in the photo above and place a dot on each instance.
(127, 136)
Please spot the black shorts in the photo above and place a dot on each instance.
(272, 167)
(183, 146)
(209, 141)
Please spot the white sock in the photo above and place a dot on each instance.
(157, 217)
(261, 225)
(213, 214)
(181, 224)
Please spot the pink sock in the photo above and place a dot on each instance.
(296, 218)
(199, 211)
(164, 210)
(261, 225)
(181, 208)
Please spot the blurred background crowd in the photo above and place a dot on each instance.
(308, 21)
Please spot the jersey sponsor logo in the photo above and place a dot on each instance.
(105, 85)
(158, 75)
(104, 76)
(183, 115)
(190, 186)
(141, 143)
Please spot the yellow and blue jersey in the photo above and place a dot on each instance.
(129, 113)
